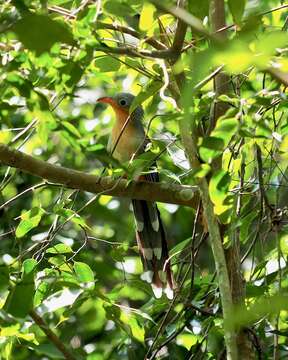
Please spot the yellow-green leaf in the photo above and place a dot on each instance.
(146, 17)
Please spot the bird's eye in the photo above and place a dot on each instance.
(122, 102)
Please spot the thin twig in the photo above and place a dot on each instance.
(54, 339)
(24, 192)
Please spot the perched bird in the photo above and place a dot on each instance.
(127, 140)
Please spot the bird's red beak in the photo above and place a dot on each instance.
(106, 100)
(110, 101)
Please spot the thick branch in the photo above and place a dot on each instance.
(180, 33)
(222, 80)
(142, 190)
(190, 144)
(185, 17)
(237, 285)
(53, 338)
(178, 44)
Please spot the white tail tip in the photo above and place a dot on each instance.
(147, 276)
(157, 291)
(169, 292)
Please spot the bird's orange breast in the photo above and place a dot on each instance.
(130, 140)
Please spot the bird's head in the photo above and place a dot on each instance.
(121, 104)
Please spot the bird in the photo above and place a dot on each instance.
(127, 140)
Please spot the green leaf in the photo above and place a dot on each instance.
(220, 137)
(210, 148)
(29, 221)
(45, 125)
(179, 247)
(71, 128)
(118, 8)
(245, 224)
(198, 8)
(146, 17)
(284, 243)
(237, 57)
(71, 73)
(268, 43)
(218, 186)
(137, 331)
(10, 330)
(218, 191)
(41, 293)
(107, 64)
(20, 299)
(96, 147)
(84, 273)
(237, 8)
(202, 171)
(28, 267)
(225, 129)
(153, 87)
(119, 252)
(187, 340)
(59, 249)
(4, 278)
(255, 291)
(48, 350)
(40, 32)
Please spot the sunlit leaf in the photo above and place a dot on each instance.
(146, 17)
(84, 273)
(71, 128)
(284, 243)
(218, 186)
(138, 331)
(149, 91)
(187, 340)
(107, 64)
(29, 221)
(59, 249)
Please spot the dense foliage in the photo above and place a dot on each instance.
(70, 257)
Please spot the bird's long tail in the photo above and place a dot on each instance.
(153, 248)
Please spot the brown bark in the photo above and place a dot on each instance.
(232, 254)
(142, 190)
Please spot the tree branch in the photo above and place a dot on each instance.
(142, 190)
(189, 141)
(53, 338)
(127, 30)
(134, 52)
(178, 42)
(221, 81)
(185, 17)
(179, 34)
